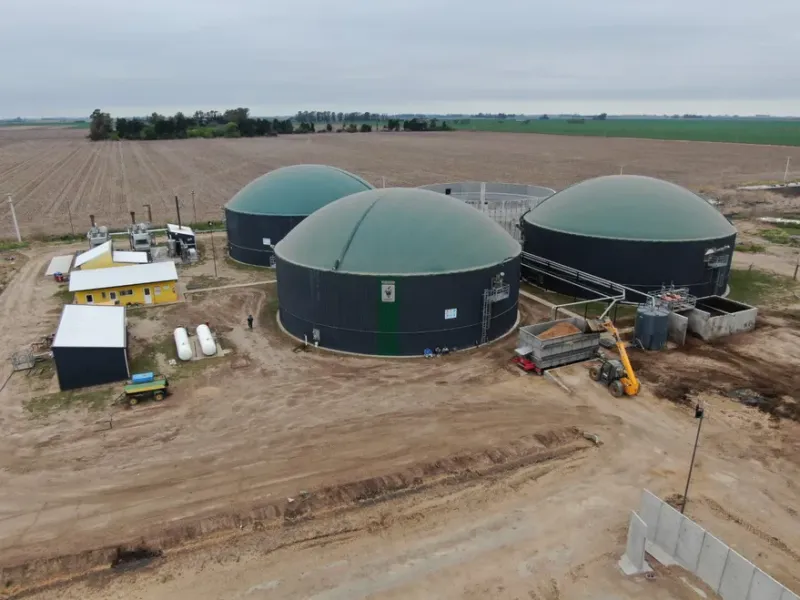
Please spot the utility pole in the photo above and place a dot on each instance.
(699, 413)
(14, 218)
(213, 249)
(194, 207)
(621, 169)
(786, 172)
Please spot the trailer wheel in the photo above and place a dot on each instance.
(594, 373)
(159, 396)
(133, 401)
(616, 388)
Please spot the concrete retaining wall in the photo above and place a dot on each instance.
(670, 533)
(716, 317)
(677, 328)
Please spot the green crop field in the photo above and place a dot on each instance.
(744, 131)
(65, 124)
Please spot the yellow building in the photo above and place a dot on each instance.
(104, 256)
(152, 283)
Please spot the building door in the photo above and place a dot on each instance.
(148, 299)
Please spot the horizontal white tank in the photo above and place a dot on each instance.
(182, 343)
(207, 344)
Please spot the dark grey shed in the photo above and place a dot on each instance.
(91, 346)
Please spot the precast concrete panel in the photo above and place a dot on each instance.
(764, 587)
(712, 561)
(787, 595)
(669, 527)
(637, 535)
(690, 543)
(649, 509)
(736, 578)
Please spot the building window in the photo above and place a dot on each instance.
(146, 291)
(126, 293)
(102, 295)
(113, 295)
(157, 290)
(89, 298)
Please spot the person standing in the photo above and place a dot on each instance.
(250, 321)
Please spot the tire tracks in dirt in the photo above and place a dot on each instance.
(23, 194)
(79, 179)
(317, 505)
(151, 174)
(98, 203)
(772, 540)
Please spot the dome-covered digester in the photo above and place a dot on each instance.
(268, 208)
(398, 271)
(637, 231)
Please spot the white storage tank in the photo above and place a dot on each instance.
(182, 344)
(207, 344)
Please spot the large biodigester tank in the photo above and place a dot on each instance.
(207, 343)
(182, 344)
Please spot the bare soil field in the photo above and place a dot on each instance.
(52, 172)
(276, 473)
(273, 472)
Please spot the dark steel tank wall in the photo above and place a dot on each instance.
(350, 315)
(641, 265)
(246, 235)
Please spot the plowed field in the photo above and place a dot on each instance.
(54, 172)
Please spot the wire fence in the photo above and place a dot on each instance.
(505, 203)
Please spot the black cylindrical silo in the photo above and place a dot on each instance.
(266, 209)
(398, 271)
(636, 231)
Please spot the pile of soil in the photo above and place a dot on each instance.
(558, 330)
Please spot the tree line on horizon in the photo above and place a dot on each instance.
(237, 122)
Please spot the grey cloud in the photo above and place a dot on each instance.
(284, 55)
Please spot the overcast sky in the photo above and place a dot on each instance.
(65, 58)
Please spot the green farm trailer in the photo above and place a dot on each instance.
(157, 389)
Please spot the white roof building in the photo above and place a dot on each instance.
(60, 264)
(86, 326)
(97, 279)
(95, 252)
(127, 256)
(182, 229)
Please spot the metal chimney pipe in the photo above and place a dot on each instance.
(149, 214)
(91, 219)
(133, 217)
(178, 210)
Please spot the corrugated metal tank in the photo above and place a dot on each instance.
(263, 212)
(652, 326)
(636, 231)
(396, 271)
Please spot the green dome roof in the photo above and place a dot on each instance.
(631, 207)
(397, 231)
(295, 191)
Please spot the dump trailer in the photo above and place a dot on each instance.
(555, 343)
(153, 387)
